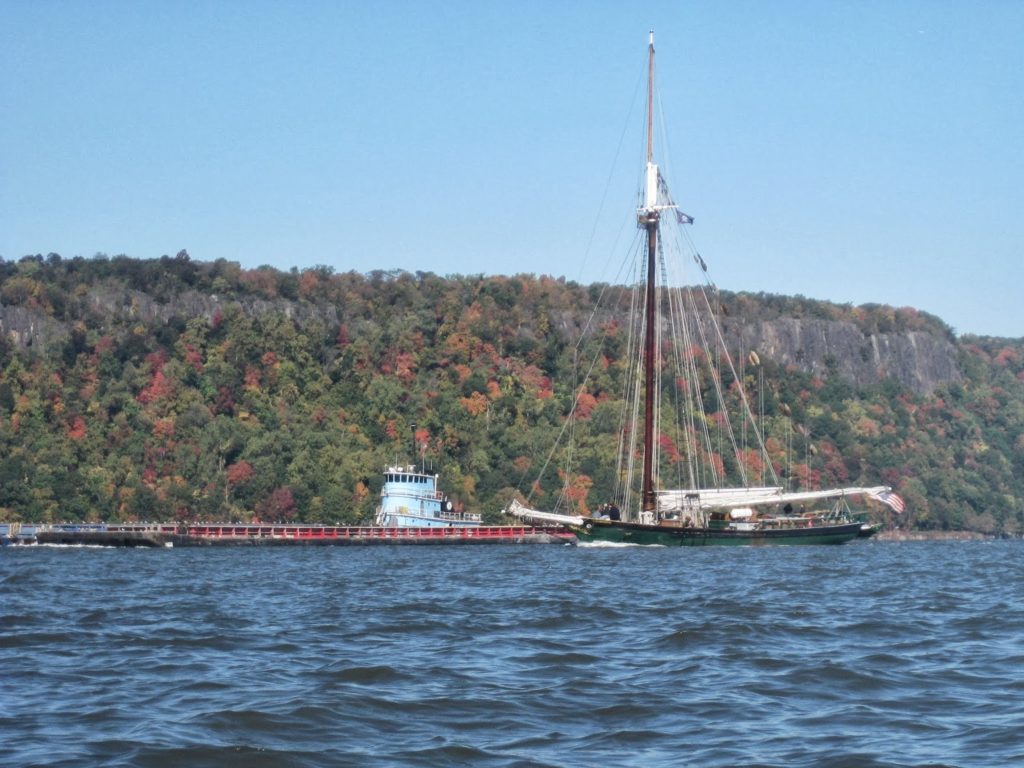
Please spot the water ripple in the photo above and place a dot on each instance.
(874, 654)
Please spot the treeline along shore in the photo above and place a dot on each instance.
(171, 389)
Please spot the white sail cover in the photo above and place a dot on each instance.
(731, 498)
(520, 510)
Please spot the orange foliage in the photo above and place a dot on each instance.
(695, 352)
(239, 472)
(263, 281)
(159, 388)
(252, 379)
(585, 405)
(753, 464)
(1006, 356)
(405, 367)
(578, 487)
(194, 358)
(475, 404)
(76, 429)
(361, 491)
(104, 345)
(866, 427)
(156, 360)
(668, 447)
(309, 281)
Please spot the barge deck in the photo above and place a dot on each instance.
(223, 534)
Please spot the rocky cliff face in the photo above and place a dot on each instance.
(919, 361)
(125, 304)
(27, 328)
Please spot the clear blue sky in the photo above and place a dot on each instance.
(851, 151)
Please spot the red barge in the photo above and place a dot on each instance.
(225, 534)
(412, 511)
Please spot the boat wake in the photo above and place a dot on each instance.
(613, 544)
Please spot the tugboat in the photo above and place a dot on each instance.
(411, 498)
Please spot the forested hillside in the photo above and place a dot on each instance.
(167, 388)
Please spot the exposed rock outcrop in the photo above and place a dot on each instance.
(918, 360)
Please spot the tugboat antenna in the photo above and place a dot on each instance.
(412, 428)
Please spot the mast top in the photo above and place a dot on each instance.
(650, 200)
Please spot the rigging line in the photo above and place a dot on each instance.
(740, 380)
(571, 441)
(558, 441)
(569, 420)
(684, 308)
(666, 144)
(630, 496)
(684, 426)
(684, 364)
(789, 453)
(674, 335)
(635, 435)
(721, 348)
(760, 396)
(618, 491)
(724, 422)
(631, 391)
(677, 410)
(656, 446)
(686, 368)
(748, 414)
(611, 174)
(693, 368)
(623, 268)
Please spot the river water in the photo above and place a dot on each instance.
(869, 654)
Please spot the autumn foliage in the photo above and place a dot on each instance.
(168, 388)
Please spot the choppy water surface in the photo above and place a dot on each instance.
(870, 654)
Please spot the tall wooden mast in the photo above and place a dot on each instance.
(647, 217)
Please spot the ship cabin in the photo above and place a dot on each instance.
(411, 498)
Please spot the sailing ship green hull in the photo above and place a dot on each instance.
(618, 532)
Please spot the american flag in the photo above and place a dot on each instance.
(891, 499)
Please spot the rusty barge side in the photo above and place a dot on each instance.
(210, 535)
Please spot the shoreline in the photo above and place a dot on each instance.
(901, 535)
